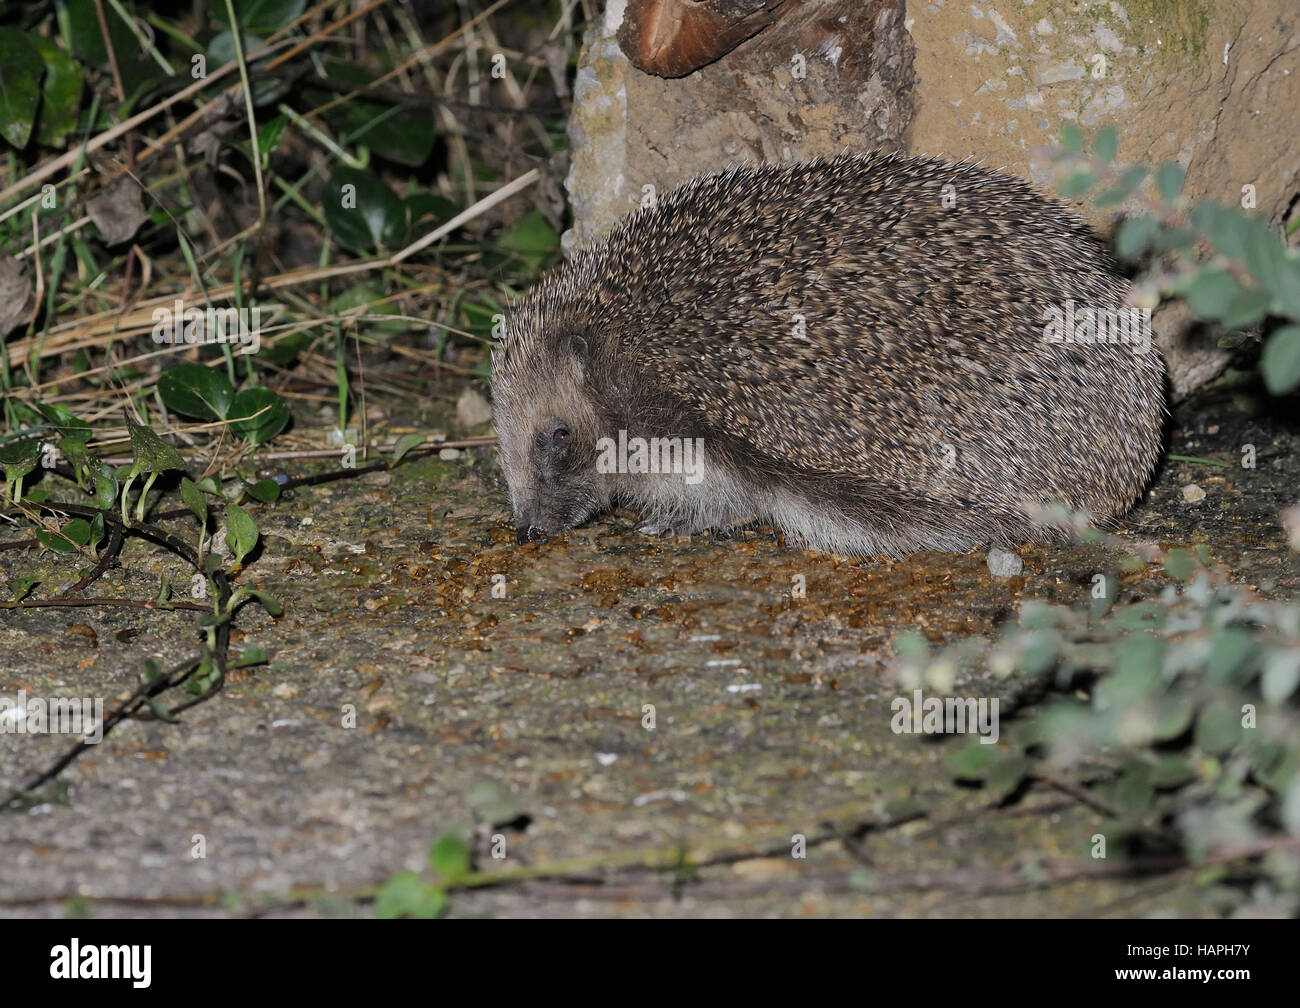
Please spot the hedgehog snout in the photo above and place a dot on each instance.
(529, 533)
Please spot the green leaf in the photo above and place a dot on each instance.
(262, 17)
(1139, 658)
(197, 391)
(160, 710)
(260, 429)
(1105, 144)
(266, 87)
(361, 211)
(1230, 652)
(404, 444)
(401, 133)
(1246, 309)
(268, 137)
(1173, 717)
(1169, 238)
(1038, 652)
(1212, 292)
(19, 458)
(21, 586)
(407, 895)
(1005, 775)
(194, 500)
(1072, 138)
(1132, 177)
(1290, 810)
(265, 490)
(421, 205)
(1169, 181)
(450, 857)
(1076, 184)
(269, 602)
(972, 761)
(1218, 728)
(85, 41)
(1281, 674)
(77, 530)
(1111, 196)
(241, 531)
(532, 239)
(1171, 772)
(60, 93)
(152, 453)
(1280, 362)
(249, 657)
(67, 540)
(106, 485)
(1134, 236)
(1180, 564)
(21, 70)
(1134, 791)
(1287, 294)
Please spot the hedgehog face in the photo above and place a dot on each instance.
(548, 431)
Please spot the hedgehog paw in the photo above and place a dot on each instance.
(681, 527)
(657, 530)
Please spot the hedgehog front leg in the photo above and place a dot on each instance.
(678, 527)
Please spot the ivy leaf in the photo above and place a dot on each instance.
(265, 490)
(21, 69)
(152, 453)
(404, 444)
(197, 391)
(248, 420)
(361, 211)
(72, 536)
(60, 93)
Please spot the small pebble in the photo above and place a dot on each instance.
(1193, 494)
(449, 454)
(1004, 564)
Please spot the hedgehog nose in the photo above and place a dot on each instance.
(529, 533)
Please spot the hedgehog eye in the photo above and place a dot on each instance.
(560, 441)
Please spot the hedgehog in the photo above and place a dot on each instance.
(873, 354)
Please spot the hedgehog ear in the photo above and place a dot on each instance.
(581, 352)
